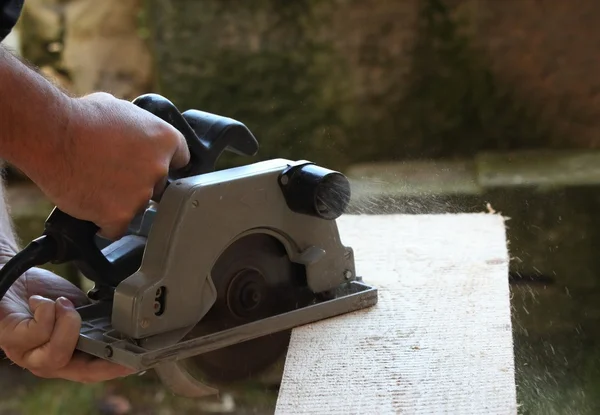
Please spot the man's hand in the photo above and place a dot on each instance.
(98, 158)
(39, 329)
(114, 157)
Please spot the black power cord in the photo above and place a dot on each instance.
(38, 252)
(65, 239)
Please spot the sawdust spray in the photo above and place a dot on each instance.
(544, 379)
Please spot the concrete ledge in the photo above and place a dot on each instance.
(415, 178)
(486, 171)
(538, 169)
(550, 197)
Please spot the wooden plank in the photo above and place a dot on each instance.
(440, 338)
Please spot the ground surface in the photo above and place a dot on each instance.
(22, 394)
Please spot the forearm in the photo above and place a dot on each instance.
(33, 117)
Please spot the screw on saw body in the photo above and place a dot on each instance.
(159, 301)
(108, 351)
(347, 274)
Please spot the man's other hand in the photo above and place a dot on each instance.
(39, 329)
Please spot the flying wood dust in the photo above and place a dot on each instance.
(380, 197)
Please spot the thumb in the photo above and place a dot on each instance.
(44, 314)
(181, 155)
(32, 332)
(27, 332)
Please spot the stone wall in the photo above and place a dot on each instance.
(547, 49)
(342, 81)
(88, 45)
(299, 74)
(345, 81)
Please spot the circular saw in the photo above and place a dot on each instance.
(210, 280)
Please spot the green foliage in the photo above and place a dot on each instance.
(454, 104)
(59, 397)
(287, 94)
(142, 24)
(145, 395)
(284, 89)
(267, 64)
(288, 113)
(36, 45)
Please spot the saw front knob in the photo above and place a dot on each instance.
(314, 190)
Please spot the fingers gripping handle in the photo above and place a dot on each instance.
(207, 136)
(165, 110)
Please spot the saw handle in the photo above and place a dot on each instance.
(75, 241)
(207, 136)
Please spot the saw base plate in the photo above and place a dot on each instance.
(98, 338)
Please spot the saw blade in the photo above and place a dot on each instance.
(254, 279)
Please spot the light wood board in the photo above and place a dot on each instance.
(439, 341)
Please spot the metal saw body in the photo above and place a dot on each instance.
(220, 267)
(198, 218)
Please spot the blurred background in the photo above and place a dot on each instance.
(429, 106)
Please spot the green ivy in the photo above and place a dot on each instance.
(295, 91)
(286, 91)
(454, 104)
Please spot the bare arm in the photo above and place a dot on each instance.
(27, 100)
(33, 117)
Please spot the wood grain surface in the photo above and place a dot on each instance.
(439, 341)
